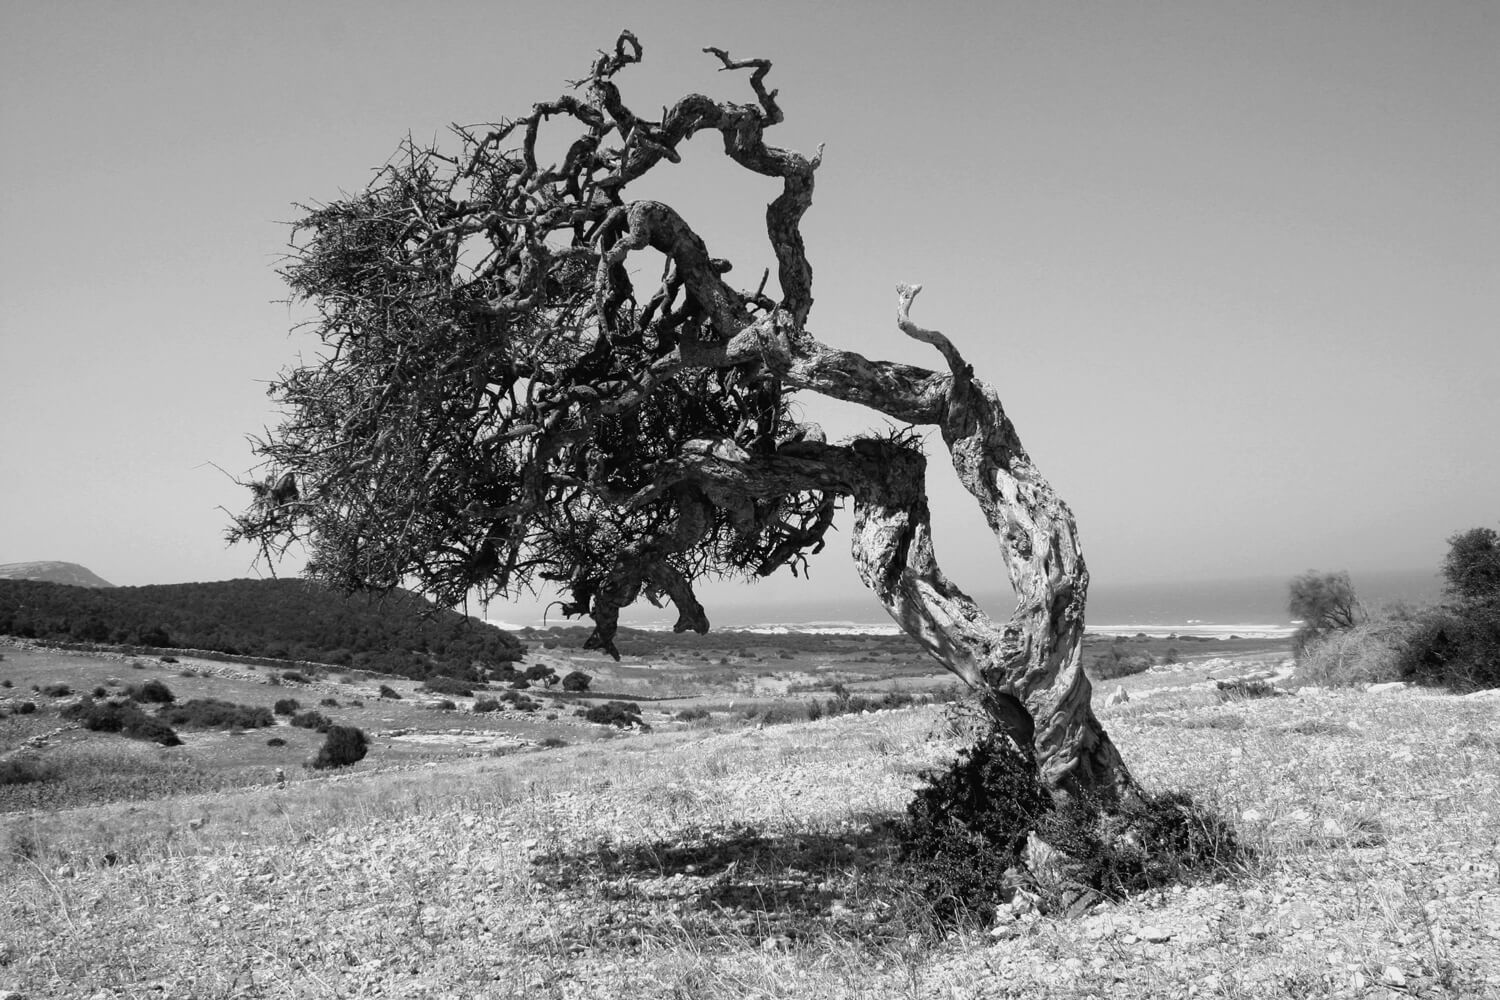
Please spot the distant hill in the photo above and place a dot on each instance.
(68, 573)
(280, 619)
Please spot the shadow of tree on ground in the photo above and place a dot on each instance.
(725, 885)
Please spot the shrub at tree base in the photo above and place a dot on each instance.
(966, 833)
(286, 706)
(126, 719)
(344, 745)
(212, 713)
(1147, 842)
(386, 691)
(576, 681)
(967, 827)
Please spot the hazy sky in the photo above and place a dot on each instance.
(1235, 268)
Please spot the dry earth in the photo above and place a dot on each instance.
(756, 863)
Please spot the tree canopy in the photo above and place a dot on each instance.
(500, 407)
(1472, 565)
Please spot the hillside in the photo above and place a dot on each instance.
(279, 619)
(67, 573)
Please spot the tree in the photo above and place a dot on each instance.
(1472, 565)
(1324, 602)
(498, 406)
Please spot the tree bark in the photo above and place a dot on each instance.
(1028, 670)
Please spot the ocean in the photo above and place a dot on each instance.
(1249, 608)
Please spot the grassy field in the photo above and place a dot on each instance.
(725, 860)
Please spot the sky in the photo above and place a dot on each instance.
(1235, 268)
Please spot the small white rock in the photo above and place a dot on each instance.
(1392, 976)
(1387, 687)
(1154, 934)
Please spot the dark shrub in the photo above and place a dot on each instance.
(623, 714)
(968, 825)
(692, 714)
(101, 692)
(577, 681)
(439, 684)
(1456, 646)
(329, 703)
(275, 741)
(56, 691)
(356, 703)
(26, 771)
(387, 691)
(445, 705)
(153, 692)
(286, 706)
(553, 742)
(147, 727)
(520, 684)
(25, 708)
(212, 713)
(127, 719)
(6, 682)
(164, 659)
(344, 745)
(293, 677)
(486, 705)
(312, 720)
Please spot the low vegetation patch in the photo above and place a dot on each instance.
(312, 720)
(449, 686)
(212, 713)
(26, 771)
(124, 718)
(152, 692)
(286, 706)
(622, 714)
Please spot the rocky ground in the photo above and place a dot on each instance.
(757, 863)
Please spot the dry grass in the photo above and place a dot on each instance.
(755, 863)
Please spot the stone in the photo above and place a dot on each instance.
(1392, 975)
(1118, 696)
(1154, 934)
(1387, 687)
